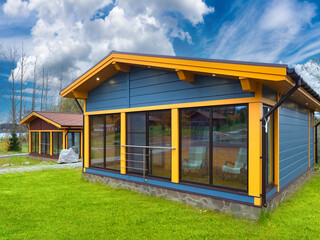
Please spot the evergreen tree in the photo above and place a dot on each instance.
(14, 143)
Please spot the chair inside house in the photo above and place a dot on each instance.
(239, 167)
(197, 157)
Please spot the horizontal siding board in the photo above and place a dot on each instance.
(293, 144)
(151, 87)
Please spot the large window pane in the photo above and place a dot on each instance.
(57, 143)
(35, 142)
(97, 141)
(270, 146)
(195, 144)
(45, 143)
(77, 141)
(113, 141)
(229, 146)
(160, 135)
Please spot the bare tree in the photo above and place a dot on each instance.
(42, 89)
(34, 87)
(22, 71)
(46, 90)
(12, 57)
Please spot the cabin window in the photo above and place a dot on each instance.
(149, 131)
(35, 142)
(97, 141)
(74, 140)
(57, 143)
(105, 141)
(270, 147)
(214, 148)
(112, 148)
(45, 143)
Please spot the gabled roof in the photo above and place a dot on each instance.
(276, 76)
(60, 120)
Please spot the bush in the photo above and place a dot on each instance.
(14, 143)
(4, 144)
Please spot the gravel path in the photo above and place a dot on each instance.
(39, 168)
(14, 155)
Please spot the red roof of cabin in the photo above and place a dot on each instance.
(64, 119)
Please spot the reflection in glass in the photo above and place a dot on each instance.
(35, 142)
(195, 124)
(97, 141)
(45, 143)
(229, 146)
(57, 142)
(270, 145)
(160, 135)
(113, 141)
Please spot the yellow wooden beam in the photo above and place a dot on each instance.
(51, 144)
(248, 85)
(276, 147)
(123, 141)
(80, 94)
(39, 142)
(175, 144)
(255, 149)
(185, 76)
(122, 67)
(30, 141)
(86, 131)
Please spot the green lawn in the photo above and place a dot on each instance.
(59, 204)
(22, 161)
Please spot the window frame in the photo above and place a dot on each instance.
(210, 185)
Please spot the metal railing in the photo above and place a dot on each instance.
(144, 156)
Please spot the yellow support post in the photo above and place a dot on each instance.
(51, 143)
(175, 144)
(276, 147)
(86, 140)
(123, 140)
(30, 135)
(39, 142)
(255, 150)
(64, 139)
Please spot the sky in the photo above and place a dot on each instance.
(70, 36)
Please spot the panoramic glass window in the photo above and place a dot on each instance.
(160, 135)
(57, 143)
(270, 147)
(195, 129)
(229, 146)
(45, 143)
(112, 150)
(35, 142)
(97, 141)
(74, 140)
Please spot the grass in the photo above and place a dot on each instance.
(59, 204)
(24, 149)
(22, 162)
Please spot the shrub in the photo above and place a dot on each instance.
(4, 144)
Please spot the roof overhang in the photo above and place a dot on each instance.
(275, 76)
(32, 116)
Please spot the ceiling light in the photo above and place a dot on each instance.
(307, 103)
(98, 79)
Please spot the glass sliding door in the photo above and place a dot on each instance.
(57, 143)
(136, 135)
(195, 125)
(112, 148)
(45, 143)
(97, 141)
(159, 131)
(35, 142)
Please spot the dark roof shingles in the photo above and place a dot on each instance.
(64, 119)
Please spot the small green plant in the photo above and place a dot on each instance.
(4, 144)
(14, 143)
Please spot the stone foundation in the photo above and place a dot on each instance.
(289, 190)
(217, 205)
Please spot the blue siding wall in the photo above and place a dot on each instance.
(293, 131)
(149, 87)
(311, 142)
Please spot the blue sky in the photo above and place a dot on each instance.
(69, 36)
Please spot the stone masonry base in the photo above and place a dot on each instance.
(218, 205)
(289, 189)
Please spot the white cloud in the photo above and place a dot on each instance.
(266, 33)
(68, 38)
